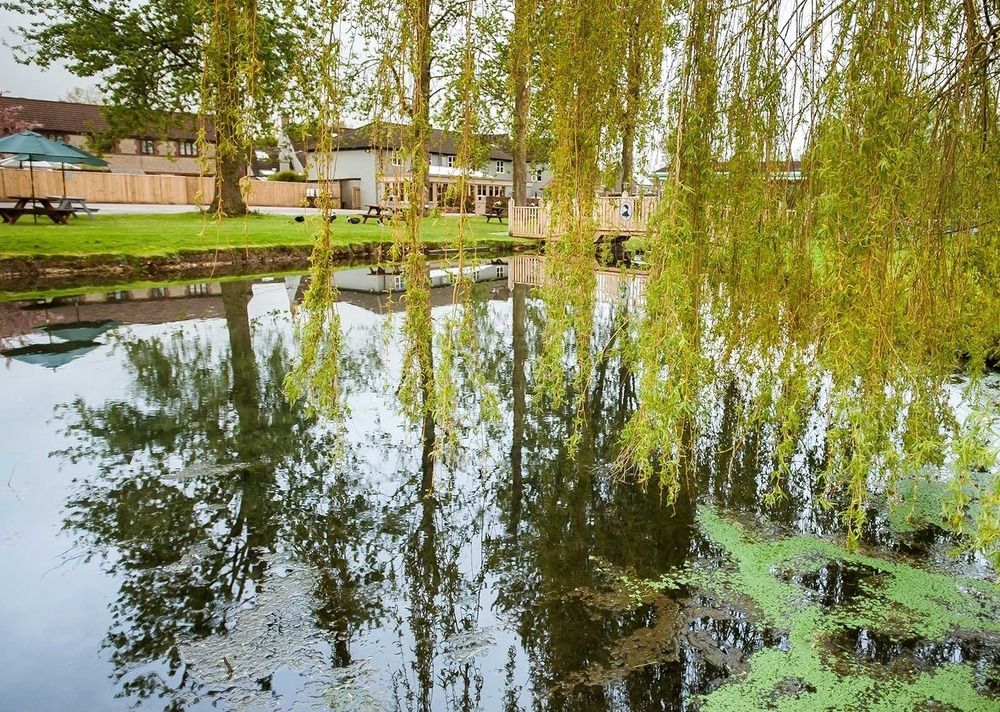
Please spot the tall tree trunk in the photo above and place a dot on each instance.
(633, 87)
(520, 62)
(420, 113)
(227, 102)
(228, 198)
(418, 299)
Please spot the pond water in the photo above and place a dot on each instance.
(174, 534)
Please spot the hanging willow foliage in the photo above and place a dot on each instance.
(316, 376)
(836, 295)
(851, 295)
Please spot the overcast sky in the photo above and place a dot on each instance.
(31, 81)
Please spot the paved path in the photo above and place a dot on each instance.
(144, 209)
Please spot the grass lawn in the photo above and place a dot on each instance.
(157, 235)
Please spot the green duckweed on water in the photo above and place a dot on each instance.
(896, 600)
(918, 618)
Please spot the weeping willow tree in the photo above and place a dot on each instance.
(848, 299)
(823, 243)
(248, 72)
(593, 105)
(316, 377)
(412, 37)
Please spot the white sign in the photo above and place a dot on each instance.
(626, 208)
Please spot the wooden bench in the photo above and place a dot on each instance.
(60, 216)
(498, 211)
(72, 202)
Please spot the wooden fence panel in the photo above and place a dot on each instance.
(100, 187)
(525, 221)
(612, 286)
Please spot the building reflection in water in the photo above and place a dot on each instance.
(268, 559)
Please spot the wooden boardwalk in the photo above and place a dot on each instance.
(613, 285)
(613, 215)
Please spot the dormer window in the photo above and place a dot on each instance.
(188, 148)
(450, 161)
(147, 147)
(396, 158)
(501, 167)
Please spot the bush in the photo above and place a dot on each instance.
(288, 177)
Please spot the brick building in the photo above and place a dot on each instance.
(166, 150)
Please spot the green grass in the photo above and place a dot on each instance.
(129, 285)
(162, 235)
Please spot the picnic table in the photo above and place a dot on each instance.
(39, 206)
(378, 212)
(73, 202)
(498, 211)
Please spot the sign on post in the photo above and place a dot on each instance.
(626, 208)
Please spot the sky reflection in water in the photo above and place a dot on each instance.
(176, 535)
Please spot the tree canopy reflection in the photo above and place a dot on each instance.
(248, 533)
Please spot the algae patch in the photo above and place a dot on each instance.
(927, 640)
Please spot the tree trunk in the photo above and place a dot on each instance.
(227, 103)
(419, 310)
(421, 115)
(633, 87)
(520, 63)
(228, 199)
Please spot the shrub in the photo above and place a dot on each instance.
(288, 176)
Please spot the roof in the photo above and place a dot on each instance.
(70, 117)
(442, 142)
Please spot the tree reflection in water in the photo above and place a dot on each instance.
(267, 557)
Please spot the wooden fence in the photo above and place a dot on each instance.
(100, 187)
(527, 221)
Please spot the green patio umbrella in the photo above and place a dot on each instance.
(80, 330)
(35, 147)
(51, 355)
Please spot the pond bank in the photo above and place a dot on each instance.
(25, 274)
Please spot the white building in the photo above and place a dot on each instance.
(379, 280)
(371, 169)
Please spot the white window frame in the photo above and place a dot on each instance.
(398, 285)
(143, 143)
(450, 161)
(187, 148)
(396, 158)
(501, 168)
(501, 271)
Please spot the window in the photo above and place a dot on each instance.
(197, 290)
(147, 147)
(188, 148)
(117, 296)
(501, 271)
(157, 292)
(538, 175)
(451, 161)
(397, 283)
(501, 167)
(396, 158)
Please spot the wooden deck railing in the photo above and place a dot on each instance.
(526, 269)
(527, 221)
(608, 215)
(613, 285)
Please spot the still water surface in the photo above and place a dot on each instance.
(175, 535)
